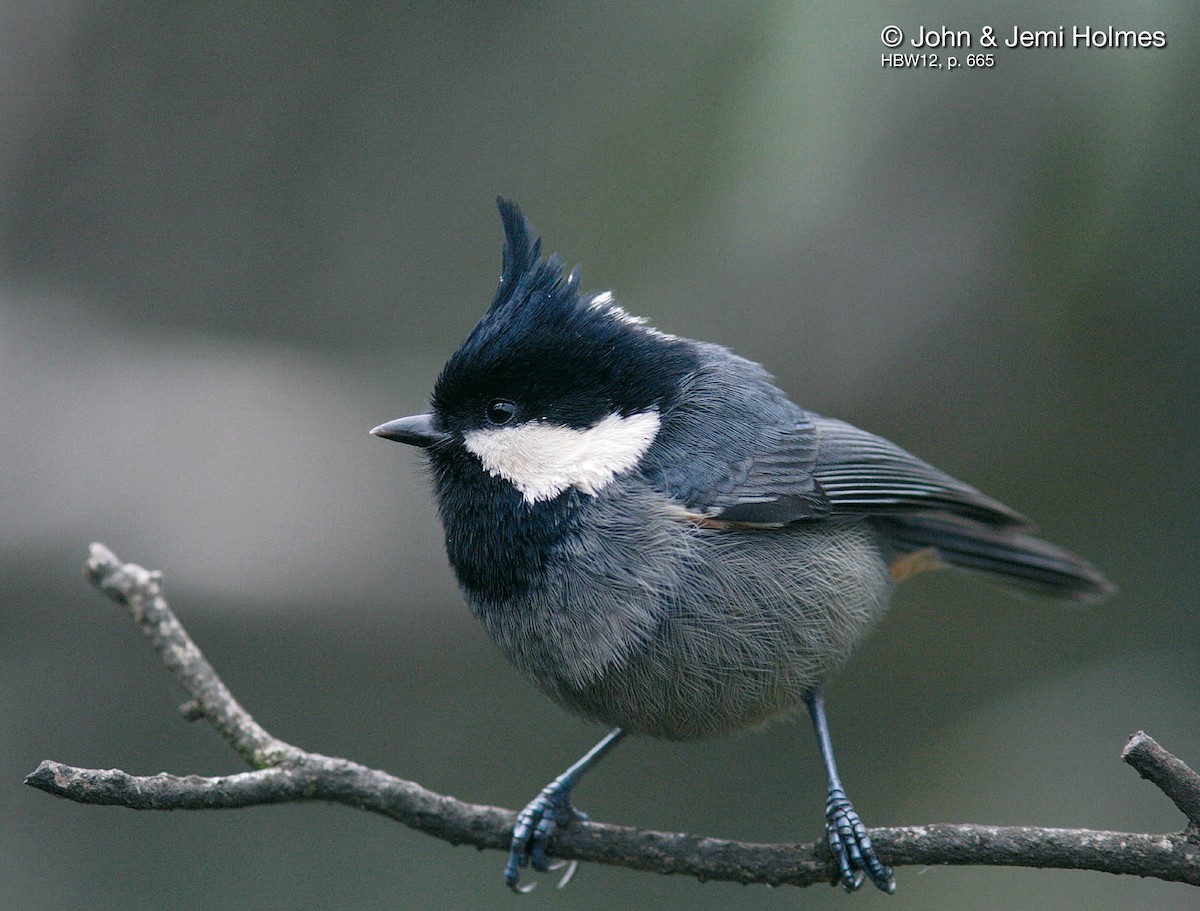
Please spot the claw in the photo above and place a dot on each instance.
(571, 865)
(521, 889)
(536, 825)
(848, 840)
(851, 846)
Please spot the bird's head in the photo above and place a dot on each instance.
(554, 389)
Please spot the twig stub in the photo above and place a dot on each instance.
(1172, 775)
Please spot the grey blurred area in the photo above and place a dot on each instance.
(235, 237)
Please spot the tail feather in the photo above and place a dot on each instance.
(1010, 556)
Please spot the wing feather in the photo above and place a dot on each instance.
(824, 468)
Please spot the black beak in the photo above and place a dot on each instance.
(415, 431)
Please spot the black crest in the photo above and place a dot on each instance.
(558, 354)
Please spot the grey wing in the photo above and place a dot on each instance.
(775, 485)
(824, 468)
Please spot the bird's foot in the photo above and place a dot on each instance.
(851, 846)
(536, 824)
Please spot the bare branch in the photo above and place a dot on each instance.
(140, 590)
(1170, 773)
(286, 773)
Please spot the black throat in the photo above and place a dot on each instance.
(499, 544)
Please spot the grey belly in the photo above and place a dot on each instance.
(701, 632)
(777, 620)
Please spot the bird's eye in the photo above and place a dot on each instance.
(500, 411)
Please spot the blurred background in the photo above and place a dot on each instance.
(235, 237)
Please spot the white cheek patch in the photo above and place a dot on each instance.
(542, 460)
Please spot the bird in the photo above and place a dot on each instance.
(662, 541)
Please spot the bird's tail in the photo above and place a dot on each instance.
(1006, 554)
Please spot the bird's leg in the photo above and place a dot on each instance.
(848, 840)
(546, 812)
